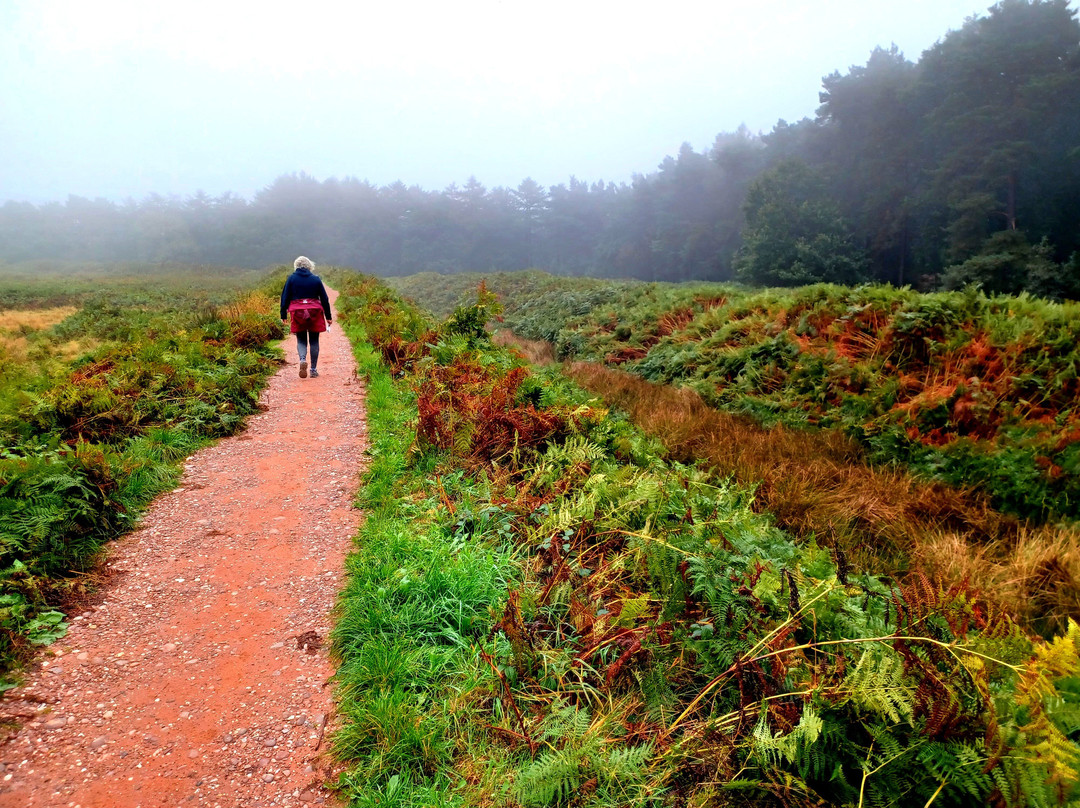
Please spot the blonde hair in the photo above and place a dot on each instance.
(304, 262)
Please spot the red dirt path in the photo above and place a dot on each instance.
(190, 683)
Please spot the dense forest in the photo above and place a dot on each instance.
(960, 168)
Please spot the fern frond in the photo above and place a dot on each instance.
(962, 766)
(1042, 756)
(550, 779)
(776, 749)
(632, 609)
(879, 685)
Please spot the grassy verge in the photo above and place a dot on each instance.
(412, 613)
(90, 440)
(543, 612)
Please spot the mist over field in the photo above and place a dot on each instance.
(916, 143)
(121, 99)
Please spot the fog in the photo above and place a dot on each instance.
(121, 99)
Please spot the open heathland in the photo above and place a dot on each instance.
(542, 610)
(109, 376)
(971, 390)
(922, 505)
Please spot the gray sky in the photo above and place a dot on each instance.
(115, 98)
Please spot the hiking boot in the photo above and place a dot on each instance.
(303, 370)
(314, 373)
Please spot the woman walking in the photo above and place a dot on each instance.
(304, 299)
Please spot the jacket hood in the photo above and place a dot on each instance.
(303, 272)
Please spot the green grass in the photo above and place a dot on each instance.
(410, 621)
(41, 284)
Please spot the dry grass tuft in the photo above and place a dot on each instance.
(818, 484)
(17, 324)
(253, 303)
(13, 348)
(537, 352)
(75, 347)
(22, 321)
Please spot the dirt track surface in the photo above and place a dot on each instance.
(201, 678)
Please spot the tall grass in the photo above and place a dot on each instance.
(34, 319)
(537, 352)
(20, 330)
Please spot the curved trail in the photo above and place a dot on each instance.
(201, 678)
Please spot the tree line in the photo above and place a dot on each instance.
(962, 167)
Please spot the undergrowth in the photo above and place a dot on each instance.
(817, 486)
(542, 611)
(89, 441)
(970, 390)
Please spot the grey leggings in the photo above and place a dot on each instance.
(302, 340)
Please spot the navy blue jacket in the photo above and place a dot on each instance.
(303, 285)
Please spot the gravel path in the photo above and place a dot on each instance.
(201, 678)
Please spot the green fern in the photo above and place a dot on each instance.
(961, 767)
(623, 774)
(576, 449)
(551, 779)
(661, 702)
(662, 563)
(627, 491)
(772, 750)
(878, 684)
(565, 722)
(632, 609)
(558, 772)
(579, 751)
(1042, 766)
